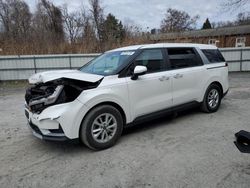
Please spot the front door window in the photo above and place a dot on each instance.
(152, 59)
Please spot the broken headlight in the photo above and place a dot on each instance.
(49, 99)
(40, 96)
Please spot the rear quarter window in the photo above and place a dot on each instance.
(214, 55)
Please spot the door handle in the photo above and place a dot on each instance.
(178, 76)
(164, 78)
(161, 78)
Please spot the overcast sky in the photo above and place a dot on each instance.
(149, 13)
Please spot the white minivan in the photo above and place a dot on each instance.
(123, 87)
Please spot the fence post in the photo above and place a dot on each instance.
(70, 65)
(241, 58)
(34, 60)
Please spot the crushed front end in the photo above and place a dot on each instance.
(52, 108)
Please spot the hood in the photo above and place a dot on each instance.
(70, 74)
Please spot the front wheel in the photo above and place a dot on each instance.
(212, 99)
(102, 127)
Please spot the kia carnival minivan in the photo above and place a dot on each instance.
(123, 87)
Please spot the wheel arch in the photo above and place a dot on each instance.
(214, 80)
(111, 103)
(204, 105)
(219, 85)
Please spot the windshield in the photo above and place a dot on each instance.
(107, 64)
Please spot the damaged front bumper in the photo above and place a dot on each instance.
(52, 106)
(47, 134)
(57, 123)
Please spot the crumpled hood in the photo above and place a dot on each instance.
(70, 74)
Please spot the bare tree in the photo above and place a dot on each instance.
(21, 19)
(44, 31)
(176, 21)
(50, 18)
(15, 18)
(243, 18)
(89, 40)
(5, 16)
(74, 23)
(98, 17)
(48, 23)
(234, 4)
(48, 31)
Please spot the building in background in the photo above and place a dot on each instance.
(236, 36)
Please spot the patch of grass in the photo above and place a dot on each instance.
(14, 84)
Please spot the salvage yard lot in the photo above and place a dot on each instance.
(192, 150)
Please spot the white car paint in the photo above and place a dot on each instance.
(68, 115)
(72, 74)
(187, 84)
(164, 45)
(150, 93)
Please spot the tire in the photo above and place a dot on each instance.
(207, 105)
(98, 130)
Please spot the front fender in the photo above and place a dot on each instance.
(94, 97)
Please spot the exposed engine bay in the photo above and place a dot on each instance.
(42, 95)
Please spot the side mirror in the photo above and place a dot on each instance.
(138, 71)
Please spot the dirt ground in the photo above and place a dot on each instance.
(192, 150)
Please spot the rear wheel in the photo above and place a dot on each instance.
(212, 99)
(102, 127)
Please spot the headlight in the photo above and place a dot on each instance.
(43, 95)
(50, 99)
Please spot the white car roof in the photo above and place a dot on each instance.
(164, 45)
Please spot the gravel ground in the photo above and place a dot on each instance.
(192, 150)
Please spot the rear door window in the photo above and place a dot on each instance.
(213, 56)
(183, 58)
